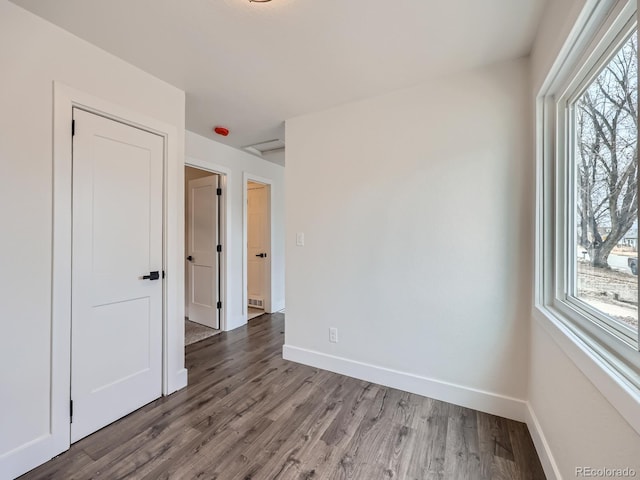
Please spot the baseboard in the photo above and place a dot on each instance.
(542, 446)
(179, 381)
(27, 457)
(277, 306)
(483, 401)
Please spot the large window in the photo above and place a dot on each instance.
(587, 255)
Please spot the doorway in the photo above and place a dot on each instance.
(258, 248)
(203, 249)
(170, 375)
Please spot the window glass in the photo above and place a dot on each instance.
(605, 122)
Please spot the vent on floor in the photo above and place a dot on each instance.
(256, 302)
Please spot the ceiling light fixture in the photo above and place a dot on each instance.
(259, 1)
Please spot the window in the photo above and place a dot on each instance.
(603, 197)
(587, 256)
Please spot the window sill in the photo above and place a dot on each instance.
(620, 393)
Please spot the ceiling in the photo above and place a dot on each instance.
(250, 66)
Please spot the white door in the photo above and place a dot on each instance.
(116, 340)
(202, 254)
(257, 244)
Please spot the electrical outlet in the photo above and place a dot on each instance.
(300, 239)
(333, 335)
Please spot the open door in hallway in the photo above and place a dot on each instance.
(203, 255)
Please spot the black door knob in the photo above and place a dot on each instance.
(152, 276)
(261, 255)
(190, 258)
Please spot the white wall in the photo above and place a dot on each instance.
(580, 426)
(33, 54)
(416, 207)
(201, 151)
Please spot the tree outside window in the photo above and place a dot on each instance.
(606, 188)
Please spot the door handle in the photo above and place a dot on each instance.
(261, 255)
(190, 258)
(151, 276)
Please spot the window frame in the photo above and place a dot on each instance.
(601, 30)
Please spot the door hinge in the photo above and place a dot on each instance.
(219, 305)
(73, 127)
(219, 248)
(219, 191)
(71, 411)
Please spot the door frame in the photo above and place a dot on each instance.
(224, 233)
(174, 375)
(246, 178)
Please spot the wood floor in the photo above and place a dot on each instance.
(249, 414)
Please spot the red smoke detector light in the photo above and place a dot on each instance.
(221, 131)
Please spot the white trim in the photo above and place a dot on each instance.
(38, 451)
(483, 401)
(246, 178)
(551, 470)
(28, 456)
(225, 234)
(586, 26)
(181, 377)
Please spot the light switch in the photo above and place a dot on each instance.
(300, 239)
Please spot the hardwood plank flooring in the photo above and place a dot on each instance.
(249, 414)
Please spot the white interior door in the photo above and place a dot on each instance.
(202, 254)
(116, 341)
(257, 244)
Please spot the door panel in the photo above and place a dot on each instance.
(203, 285)
(202, 242)
(133, 357)
(117, 238)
